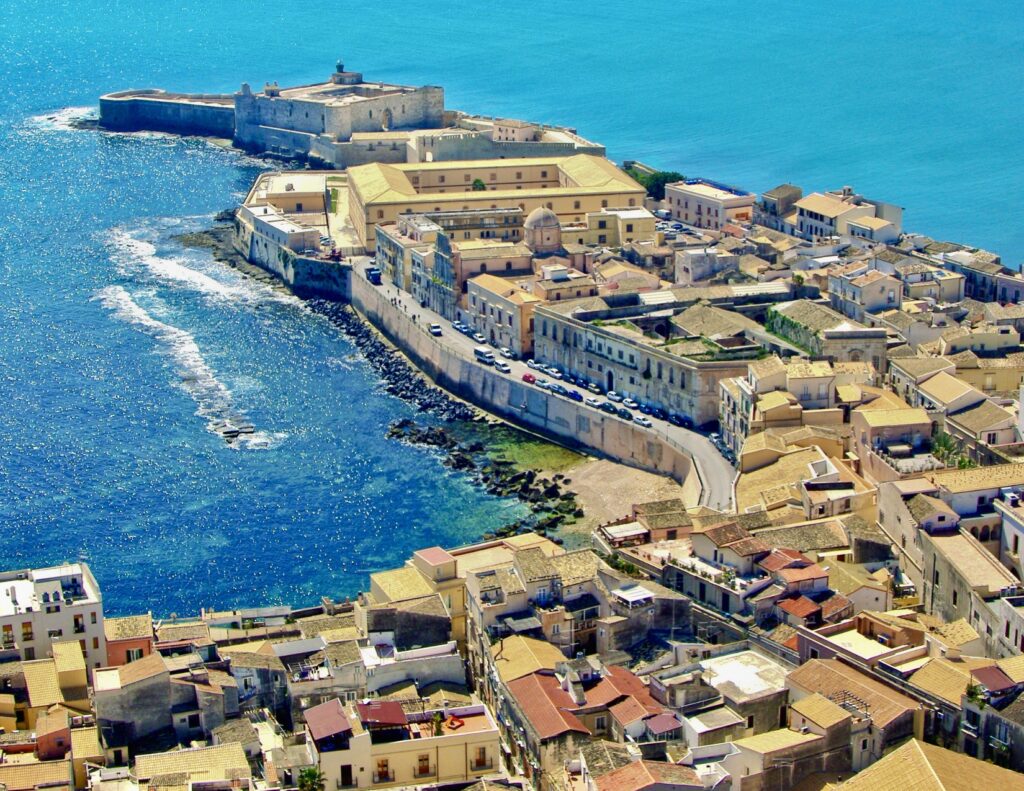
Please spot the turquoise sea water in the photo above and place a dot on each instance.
(117, 346)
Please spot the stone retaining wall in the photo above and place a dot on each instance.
(568, 421)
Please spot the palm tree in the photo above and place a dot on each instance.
(311, 779)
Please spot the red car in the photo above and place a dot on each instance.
(529, 378)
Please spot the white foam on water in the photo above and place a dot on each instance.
(133, 253)
(214, 401)
(62, 120)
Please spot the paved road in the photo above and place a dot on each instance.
(716, 474)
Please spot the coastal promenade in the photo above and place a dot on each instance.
(687, 456)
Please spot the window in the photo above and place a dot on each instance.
(600, 723)
(95, 643)
(440, 179)
(954, 598)
(423, 764)
(30, 653)
(863, 744)
(814, 653)
(383, 772)
(543, 174)
(92, 618)
(629, 227)
(193, 720)
(750, 721)
(576, 204)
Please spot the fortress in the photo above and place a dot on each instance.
(343, 122)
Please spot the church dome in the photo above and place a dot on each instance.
(542, 218)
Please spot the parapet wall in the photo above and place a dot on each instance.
(570, 422)
(211, 115)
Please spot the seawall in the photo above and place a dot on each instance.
(209, 115)
(567, 421)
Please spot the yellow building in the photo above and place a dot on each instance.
(570, 186)
(59, 680)
(380, 744)
(436, 570)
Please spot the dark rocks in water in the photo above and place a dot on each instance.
(398, 376)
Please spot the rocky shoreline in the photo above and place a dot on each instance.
(551, 504)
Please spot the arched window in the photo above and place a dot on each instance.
(483, 268)
(508, 266)
(46, 598)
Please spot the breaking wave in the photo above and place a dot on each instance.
(213, 399)
(133, 253)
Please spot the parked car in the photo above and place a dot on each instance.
(613, 396)
(609, 407)
(593, 388)
(554, 372)
(632, 404)
(479, 337)
(531, 363)
(507, 353)
(457, 325)
(624, 413)
(659, 413)
(575, 395)
(643, 421)
(435, 329)
(558, 389)
(677, 226)
(646, 409)
(543, 384)
(594, 402)
(503, 366)
(529, 378)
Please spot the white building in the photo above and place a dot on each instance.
(41, 606)
(707, 204)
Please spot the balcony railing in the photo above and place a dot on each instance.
(385, 777)
(421, 772)
(482, 766)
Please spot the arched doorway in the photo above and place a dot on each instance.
(610, 379)
(386, 120)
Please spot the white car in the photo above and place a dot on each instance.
(594, 402)
(503, 366)
(531, 363)
(641, 420)
(435, 329)
(613, 396)
(506, 352)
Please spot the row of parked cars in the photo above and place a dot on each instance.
(469, 332)
(616, 404)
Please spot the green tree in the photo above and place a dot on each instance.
(655, 182)
(479, 186)
(311, 779)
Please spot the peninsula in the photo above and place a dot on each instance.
(835, 601)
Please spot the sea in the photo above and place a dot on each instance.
(120, 348)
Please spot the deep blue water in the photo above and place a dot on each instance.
(117, 346)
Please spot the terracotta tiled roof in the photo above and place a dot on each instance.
(646, 774)
(545, 705)
(800, 607)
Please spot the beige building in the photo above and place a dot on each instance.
(381, 744)
(43, 606)
(436, 570)
(820, 216)
(707, 204)
(502, 309)
(613, 228)
(569, 186)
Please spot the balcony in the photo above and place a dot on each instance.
(423, 772)
(79, 628)
(27, 637)
(969, 728)
(482, 766)
(385, 777)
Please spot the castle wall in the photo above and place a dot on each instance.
(157, 111)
